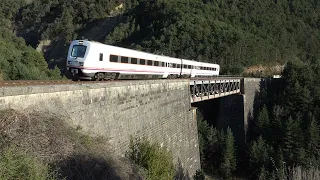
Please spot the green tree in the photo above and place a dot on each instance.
(313, 141)
(258, 156)
(263, 122)
(212, 149)
(292, 146)
(228, 164)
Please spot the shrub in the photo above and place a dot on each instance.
(150, 156)
(18, 165)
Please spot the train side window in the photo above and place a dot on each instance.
(174, 65)
(163, 64)
(189, 66)
(156, 63)
(124, 59)
(113, 58)
(178, 65)
(134, 61)
(101, 57)
(142, 62)
(185, 66)
(149, 62)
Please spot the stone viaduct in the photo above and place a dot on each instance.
(160, 110)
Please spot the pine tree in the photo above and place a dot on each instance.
(212, 150)
(304, 100)
(313, 138)
(292, 142)
(293, 93)
(278, 170)
(228, 164)
(288, 139)
(203, 130)
(276, 128)
(263, 122)
(258, 156)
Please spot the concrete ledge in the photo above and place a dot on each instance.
(24, 90)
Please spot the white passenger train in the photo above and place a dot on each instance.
(96, 61)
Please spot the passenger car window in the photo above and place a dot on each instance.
(142, 61)
(124, 59)
(134, 61)
(113, 58)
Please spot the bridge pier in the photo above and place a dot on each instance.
(233, 110)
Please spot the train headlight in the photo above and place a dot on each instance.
(80, 63)
(69, 62)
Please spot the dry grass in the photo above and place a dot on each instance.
(72, 154)
(43, 136)
(298, 173)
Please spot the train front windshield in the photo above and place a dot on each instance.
(78, 51)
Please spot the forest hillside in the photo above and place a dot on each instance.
(235, 34)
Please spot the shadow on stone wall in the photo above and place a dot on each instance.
(268, 95)
(181, 173)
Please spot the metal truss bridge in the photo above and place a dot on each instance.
(205, 89)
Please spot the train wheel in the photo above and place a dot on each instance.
(99, 77)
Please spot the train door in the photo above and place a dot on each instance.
(166, 71)
(181, 65)
(193, 71)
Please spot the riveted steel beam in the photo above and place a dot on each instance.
(201, 90)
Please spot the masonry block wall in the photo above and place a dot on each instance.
(157, 109)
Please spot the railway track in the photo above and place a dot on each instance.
(57, 82)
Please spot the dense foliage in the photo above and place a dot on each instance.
(217, 150)
(231, 33)
(17, 60)
(286, 127)
(18, 165)
(234, 34)
(284, 134)
(156, 160)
